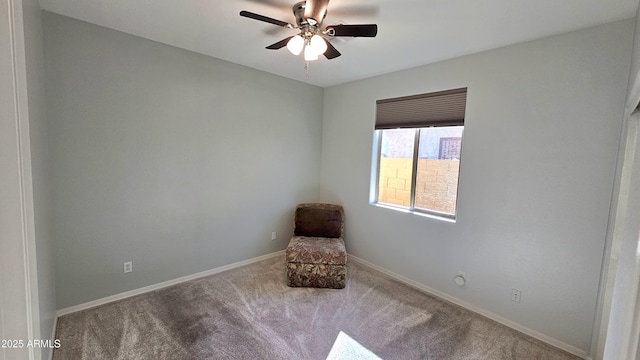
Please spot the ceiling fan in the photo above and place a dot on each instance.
(313, 39)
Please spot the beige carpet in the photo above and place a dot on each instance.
(250, 313)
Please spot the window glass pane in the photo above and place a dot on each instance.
(438, 167)
(396, 166)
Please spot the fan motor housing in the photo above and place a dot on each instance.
(298, 12)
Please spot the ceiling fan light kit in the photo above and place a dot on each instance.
(312, 38)
(295, 45)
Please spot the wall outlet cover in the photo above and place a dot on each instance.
(516, 295)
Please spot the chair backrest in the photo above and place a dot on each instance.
(319, 220)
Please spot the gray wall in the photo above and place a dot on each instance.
(40, 168)
(633, 90)
(173, 160)
(538, 162)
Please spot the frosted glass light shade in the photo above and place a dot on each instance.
(318, 44)
(310, 54)
(295, 45)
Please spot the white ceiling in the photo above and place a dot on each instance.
(410, 32)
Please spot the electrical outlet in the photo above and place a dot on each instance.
(516, 295)
(274, 235)
(128, 267)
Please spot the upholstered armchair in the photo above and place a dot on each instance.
(316, 255)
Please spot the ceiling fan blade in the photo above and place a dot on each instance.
(368, 30)
(280, 44)
(316, 10)
(331, 52)
(259, 17)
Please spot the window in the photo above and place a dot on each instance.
(419, 141)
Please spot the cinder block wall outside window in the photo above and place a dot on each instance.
(436, 185)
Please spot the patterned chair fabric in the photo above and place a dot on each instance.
(316, 255)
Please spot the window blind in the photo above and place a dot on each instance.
(443, 108)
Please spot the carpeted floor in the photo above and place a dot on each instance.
(250, 313)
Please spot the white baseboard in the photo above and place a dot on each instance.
(163, 284)
(497, 318)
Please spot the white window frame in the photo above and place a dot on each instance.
(375, 190)
(434, 109)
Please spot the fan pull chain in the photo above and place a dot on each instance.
(306, 68)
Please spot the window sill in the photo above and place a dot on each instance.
(434, 216)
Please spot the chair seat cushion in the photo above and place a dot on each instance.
(316, 250)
